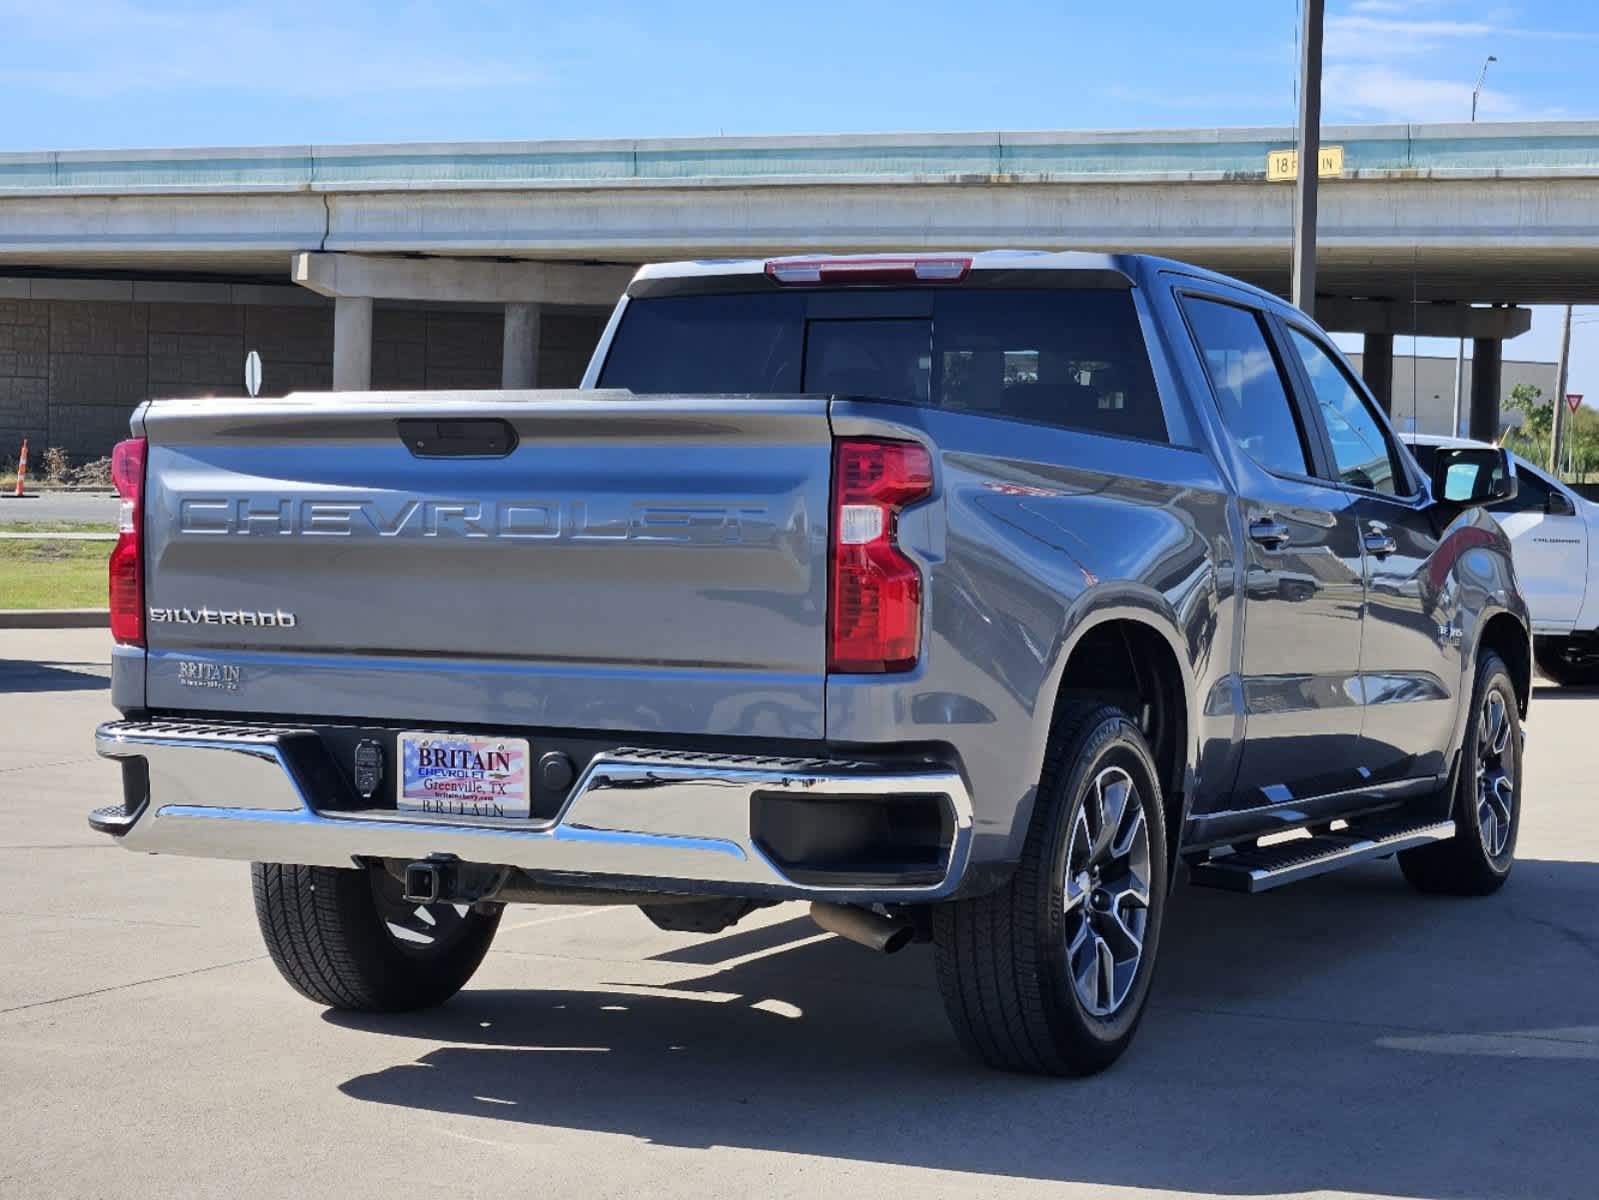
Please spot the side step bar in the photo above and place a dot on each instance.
(1259, 869)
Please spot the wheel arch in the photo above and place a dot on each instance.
(1127, 650)
(1508, 636)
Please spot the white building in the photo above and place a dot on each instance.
(1424, 390)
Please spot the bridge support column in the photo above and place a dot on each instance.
(519, 362)
(352, 344)
(1487, 358)
(1377, 368)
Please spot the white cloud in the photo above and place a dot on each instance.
(1382, 57)
(1179, 100)
(1378, 92)
(1393, 6)
(1366, 54)
(1382, 38)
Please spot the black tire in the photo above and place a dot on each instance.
(1567, 662)
(1467, 864)
(1004, 963)
(331, 935)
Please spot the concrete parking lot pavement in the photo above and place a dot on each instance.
(1345, 1036)
(59, 506)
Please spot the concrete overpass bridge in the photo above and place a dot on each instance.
(1425, 222)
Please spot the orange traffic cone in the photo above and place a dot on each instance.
(22, 468)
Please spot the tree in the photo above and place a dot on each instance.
(1531, 440)
(1579, 435)
(1581, 443)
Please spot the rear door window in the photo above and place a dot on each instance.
(1074, 359)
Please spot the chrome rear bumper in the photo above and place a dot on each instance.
(655, 819)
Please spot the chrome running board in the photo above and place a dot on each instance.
(1259, 869)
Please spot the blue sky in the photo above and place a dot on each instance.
(117, 73)
(104, 73)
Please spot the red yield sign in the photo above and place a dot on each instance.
(1573, 401)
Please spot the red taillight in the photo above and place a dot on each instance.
(899, 268)
(127, 559)
(875, 607)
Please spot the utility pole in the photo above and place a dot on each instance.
(1560, 395)
(1309, 158)
(1460, 347)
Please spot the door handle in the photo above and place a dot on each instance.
(1379, 543)
(1269, 533)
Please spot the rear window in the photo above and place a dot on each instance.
(1069, 358)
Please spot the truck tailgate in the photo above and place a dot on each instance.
(632, 563)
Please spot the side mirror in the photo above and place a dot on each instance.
(1472, 475)
(1560, 505)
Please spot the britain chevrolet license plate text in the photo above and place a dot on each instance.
(459, 775)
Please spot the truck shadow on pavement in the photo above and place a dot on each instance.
(18, 675)
(1345, 1035)
(1542, 692)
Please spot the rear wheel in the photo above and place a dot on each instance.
(349, 939)
(1487, 808)
(1050, 974)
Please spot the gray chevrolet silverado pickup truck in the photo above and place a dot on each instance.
(970, 597)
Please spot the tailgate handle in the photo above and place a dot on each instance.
(457, 437)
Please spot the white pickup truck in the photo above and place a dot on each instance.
(1552, 530)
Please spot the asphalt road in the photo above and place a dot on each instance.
(1341, 1037)
(59, 506)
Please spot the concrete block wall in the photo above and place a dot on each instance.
(432, 349)
(71, 371)
(566, 342)
(24, 371)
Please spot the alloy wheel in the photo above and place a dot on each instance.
(1107, 891)
(417, 928)
(1496, 779)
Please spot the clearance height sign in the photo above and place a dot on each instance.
(1284, 164)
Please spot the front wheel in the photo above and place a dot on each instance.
(349, 939)
(1487, 807)
(1050, 974)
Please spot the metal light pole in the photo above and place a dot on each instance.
(1309, 158)
(1477, 91)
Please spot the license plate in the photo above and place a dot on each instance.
(458, 775)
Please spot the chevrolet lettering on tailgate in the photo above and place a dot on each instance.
(706, 524)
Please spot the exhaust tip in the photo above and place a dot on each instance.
(899, 939)
(886, 935)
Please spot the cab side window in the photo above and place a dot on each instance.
(1532, 494)
(1248, 382)
(1363, 454)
